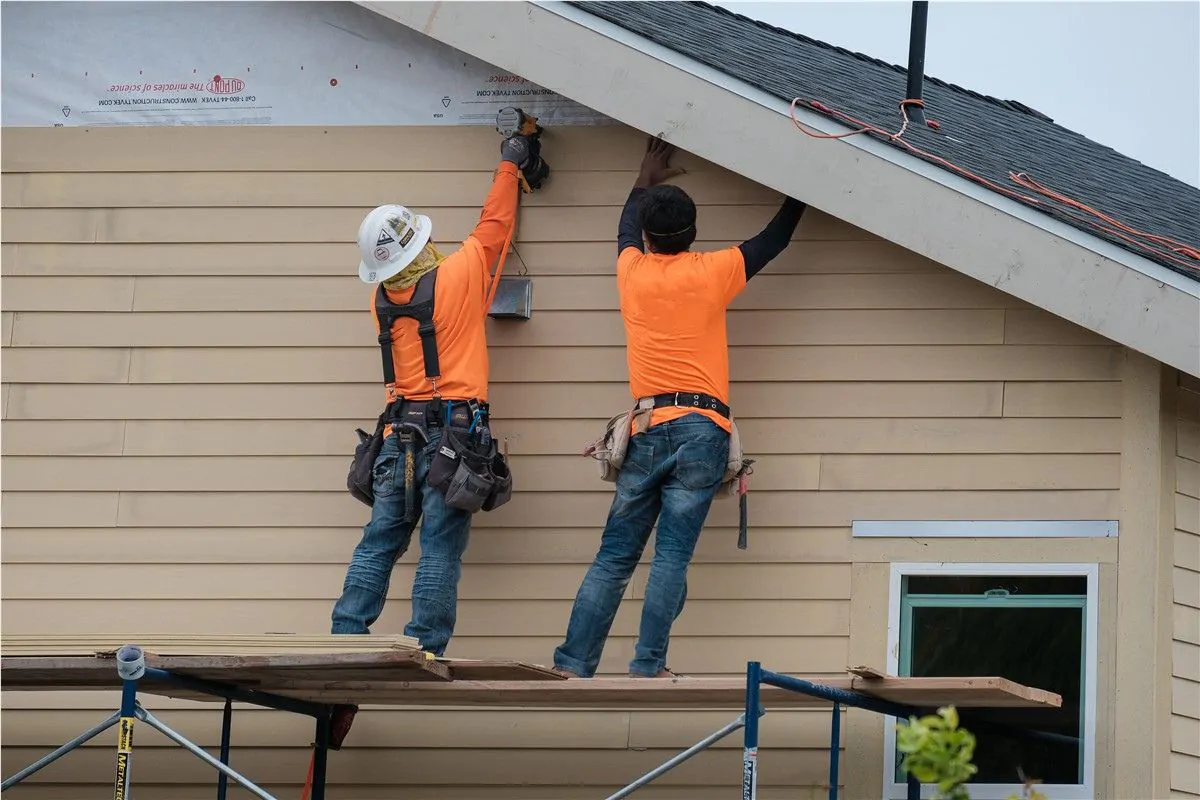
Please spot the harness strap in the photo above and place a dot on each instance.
(420, 308)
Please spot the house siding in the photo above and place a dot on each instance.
(187, 350)
(1185, 654)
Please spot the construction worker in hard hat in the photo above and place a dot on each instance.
(397, 251)
(673, 303)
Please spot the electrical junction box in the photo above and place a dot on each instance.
(513, 300)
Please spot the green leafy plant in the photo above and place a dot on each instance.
(936, 750)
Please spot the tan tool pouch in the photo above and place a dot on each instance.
(734, 464)
(610, 449)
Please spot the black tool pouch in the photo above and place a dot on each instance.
(471, 477)
(359, 480)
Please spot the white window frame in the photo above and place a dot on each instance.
(985, 529)
(1084, 791)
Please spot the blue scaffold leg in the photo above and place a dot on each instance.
(131, 666)
(750, 733)
(835, 750)
(226, 734)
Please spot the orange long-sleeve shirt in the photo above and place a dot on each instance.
(458, 306)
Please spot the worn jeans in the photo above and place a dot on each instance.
(671, 473)
(444, 534)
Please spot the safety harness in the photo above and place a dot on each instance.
(420, 308)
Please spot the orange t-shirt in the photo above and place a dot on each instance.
(674, 313)
(458, 306)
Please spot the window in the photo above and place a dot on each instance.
(1031, 623)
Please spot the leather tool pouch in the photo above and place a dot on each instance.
(470, 477)
(735, 464)
(609, 450)
(359, 479)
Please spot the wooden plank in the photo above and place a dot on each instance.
(719, 617)
(563, 437)
(1071, 399)
(560, 363)
(467, 669)
(324, 582)
(335, 224)
(278, 545)
(633, 693)
(508, 400)
(336, 259)
(958, 472)
(567, 328)
(352, 189)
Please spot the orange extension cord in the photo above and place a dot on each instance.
(1106, 223)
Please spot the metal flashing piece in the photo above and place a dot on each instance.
(513, 300)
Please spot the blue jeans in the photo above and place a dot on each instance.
(671, 474)
(444, 534)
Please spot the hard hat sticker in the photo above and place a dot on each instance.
(382, 253)
(384, 238)
(406, 238)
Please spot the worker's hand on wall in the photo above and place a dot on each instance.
(656, 164)
(516, 149)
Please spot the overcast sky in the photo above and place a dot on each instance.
(1125, 74)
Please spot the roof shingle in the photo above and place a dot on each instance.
(984, 135)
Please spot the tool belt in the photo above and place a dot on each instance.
(609, 450)
(468, 468)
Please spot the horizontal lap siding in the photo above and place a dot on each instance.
(187, 353)
(1185, 695)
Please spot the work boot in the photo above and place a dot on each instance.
(339, 724)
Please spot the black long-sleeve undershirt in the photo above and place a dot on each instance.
(756, 252)
(773, 239)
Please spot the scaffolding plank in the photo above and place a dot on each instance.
(173, 644)
(469, 669)
(391, 680)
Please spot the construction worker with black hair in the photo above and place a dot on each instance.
(429, 311)
(673, 304)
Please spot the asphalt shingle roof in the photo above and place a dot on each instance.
(987, 136)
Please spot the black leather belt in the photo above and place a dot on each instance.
(691, 400)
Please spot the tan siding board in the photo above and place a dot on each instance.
(1187, 477)
(1187, 550)
(324, 581)
(1189, 440)
(350, 189)
(252, 329)
(1185, 698)
(58, 510)
(542, 364)
(538, 473)
(1187, 513)
(1186, 621)
(957, 472)
(90, 365)
(551, 401)
(761, 436)
(64, 438)
(1187, 590)
(67, 294)
(1185, 736)
(453, 729)
(7, 320)
(578, 509)
(174, 765)
(808, 257)
(331, 546)
(335, 224)
(1035, 326)
(1185, 773)
(1186, 660)
(1051, 399)
(716, 618)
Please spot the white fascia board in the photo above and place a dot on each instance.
(895, 196)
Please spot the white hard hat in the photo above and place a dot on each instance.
(389, 238)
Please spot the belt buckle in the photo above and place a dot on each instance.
(694, 404)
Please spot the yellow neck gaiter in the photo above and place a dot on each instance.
(426, 261)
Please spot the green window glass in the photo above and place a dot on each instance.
(1029, 629)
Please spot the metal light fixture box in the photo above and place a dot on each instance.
(513, 300)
